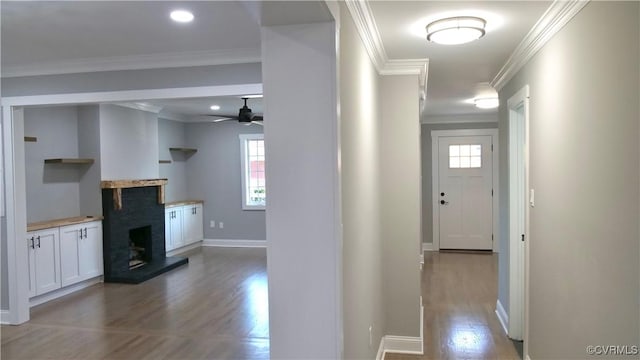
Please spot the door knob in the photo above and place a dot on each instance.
(441, 194)
(443, 202)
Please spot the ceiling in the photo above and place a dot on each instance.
(40, 35)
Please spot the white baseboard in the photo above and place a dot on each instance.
(403, 344)
(235, 243)
(502, 316)
(64, 291)
(427, 247)
(527, 357)
(5, 316)
(183, 249)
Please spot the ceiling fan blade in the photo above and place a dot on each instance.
(220, 118)
(256, 123)
(257, 118)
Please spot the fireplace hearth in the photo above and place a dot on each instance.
(134, 233)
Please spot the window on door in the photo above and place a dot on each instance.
(253, 175)
(465, 156)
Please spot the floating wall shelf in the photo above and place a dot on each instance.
(187, 150)
(30, 139)
(164, 161)
(69, 161)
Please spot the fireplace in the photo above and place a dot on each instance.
(134, 234)
(140, 252)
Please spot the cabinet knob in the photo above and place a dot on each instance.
(33, 244)
(38, 241)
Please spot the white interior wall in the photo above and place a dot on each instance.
(128, 143)
(303, 211)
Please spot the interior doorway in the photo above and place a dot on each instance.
(516, 319)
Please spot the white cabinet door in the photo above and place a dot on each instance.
(90, 261)
(46, 260)
(173, 228)
(70, 254)
(31, 249)
(80, 252)
(193, 223)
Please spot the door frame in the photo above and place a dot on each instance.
(14, 169)
(517, 317)
(435, 178)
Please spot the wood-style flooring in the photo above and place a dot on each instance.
(216, 308)
(213, 308)
(459, 293)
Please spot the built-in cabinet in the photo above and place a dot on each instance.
(44, 261)
(64, 255)
(80, 252)
(183, 225)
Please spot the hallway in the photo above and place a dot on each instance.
(459, 293)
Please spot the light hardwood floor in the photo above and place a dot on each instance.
(213, 308)
(459, 292)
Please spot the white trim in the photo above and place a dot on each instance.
(380, 353)
(132, 95)
(403, 344)
(141, 106)
(461, 119)
(552, 21)
(136, 62)
(244, 169)
(427, 247)
(435, 175)
(518, 252)
(35, 301)
(502, 316)
(13, 136)
(5, 317)
(527, 357)
(173, 116)
(368, 30)
(235, 243)
(185, 248)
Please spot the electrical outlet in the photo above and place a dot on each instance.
(212, 224)
(221, 224)
(370, 335)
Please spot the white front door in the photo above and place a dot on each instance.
(465, 166)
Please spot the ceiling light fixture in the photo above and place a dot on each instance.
(181, 16)
(254, 96)
(487, 103)
(456, 30)
(215, 107)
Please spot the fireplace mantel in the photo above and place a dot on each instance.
(118, 185)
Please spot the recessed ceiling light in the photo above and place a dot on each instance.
(214, 107)
(181, 16)
(487, 103)
(456, 30)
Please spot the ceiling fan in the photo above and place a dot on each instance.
(245, 116)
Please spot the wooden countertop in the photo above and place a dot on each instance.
(183, 202)
(40, 225)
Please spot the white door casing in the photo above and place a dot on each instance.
(466, 216)
(518, 106)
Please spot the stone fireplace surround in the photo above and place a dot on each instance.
(127, 205)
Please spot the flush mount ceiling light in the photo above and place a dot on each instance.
(181, 16)
(456, 30)
(214, 107)
(487, 103)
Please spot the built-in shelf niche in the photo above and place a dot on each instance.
(75, 161)
(30, 139)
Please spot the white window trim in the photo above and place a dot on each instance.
(243, 169)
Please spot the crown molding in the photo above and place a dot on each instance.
(368, 30)
(141, 106)
(553, 20)
(136, 62)
(460, 118)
